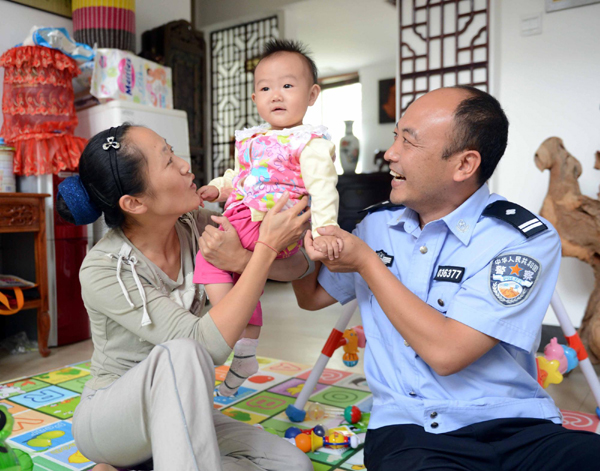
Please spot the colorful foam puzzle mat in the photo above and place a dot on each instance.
(43, 407)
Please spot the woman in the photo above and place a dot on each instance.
(151, 392)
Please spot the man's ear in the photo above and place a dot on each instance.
(315, 90)
(467, 165)
(132, 205)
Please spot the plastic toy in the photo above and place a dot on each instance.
(554, 351)
(574, 344)
(333, 440)
(339, 337)
(11, 460)
(293, 432)
(352, 414)
(572, 359)
(548, 372)
(557, 360)
(355, 338)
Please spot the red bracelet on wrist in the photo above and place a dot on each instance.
(267, 245)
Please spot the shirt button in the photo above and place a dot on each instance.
(441, 302)
(433, 415)
(406, 343)
(423, 249)
(434, 425)
(412, 393)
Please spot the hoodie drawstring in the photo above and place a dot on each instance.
(132, 261)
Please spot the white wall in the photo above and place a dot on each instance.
(548, 85)
(350, 36)
(222, 13)
(375, 135)
(152, 13)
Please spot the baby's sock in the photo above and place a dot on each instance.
(243, 366)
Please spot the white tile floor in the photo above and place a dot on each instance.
(289, 333)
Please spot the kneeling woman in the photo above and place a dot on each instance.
(151, 392)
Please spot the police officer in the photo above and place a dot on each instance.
(453, 284)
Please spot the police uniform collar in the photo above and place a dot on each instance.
(461, 222)
(407, 218)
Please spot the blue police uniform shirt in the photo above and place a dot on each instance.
(477, 270)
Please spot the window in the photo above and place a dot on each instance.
(334, 106)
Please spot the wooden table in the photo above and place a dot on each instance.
(25, 212)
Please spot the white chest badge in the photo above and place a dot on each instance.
(512, 277)
(385, 258)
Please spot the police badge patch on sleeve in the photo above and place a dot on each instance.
(512, 277)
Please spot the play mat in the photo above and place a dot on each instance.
(43, 406)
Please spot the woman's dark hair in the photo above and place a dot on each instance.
(100, 179)
(479, 124)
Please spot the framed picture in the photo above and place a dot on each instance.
(58, 7)
(387, 101)
(555, 5)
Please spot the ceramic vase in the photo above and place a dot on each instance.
(348, 151)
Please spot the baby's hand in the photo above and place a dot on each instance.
(330, 245)
(208, 193)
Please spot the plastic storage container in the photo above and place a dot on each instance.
(7, 177)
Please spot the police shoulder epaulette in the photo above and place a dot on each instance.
(381, 206)
(517, 216)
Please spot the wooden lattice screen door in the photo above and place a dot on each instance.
(442, 43)
(234, 55)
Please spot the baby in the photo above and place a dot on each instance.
(282, 155)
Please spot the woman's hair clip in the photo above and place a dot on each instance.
(110, 142)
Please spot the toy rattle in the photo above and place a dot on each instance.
(351, 414)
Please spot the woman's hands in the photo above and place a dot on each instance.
(223, 248)
(281, 229)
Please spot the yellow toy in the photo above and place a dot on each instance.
(548, 372)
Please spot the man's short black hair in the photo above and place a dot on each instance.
(284, 45)
(479, 124)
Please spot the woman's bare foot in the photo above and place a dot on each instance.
(103, 467)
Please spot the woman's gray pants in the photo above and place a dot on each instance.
(163, 408)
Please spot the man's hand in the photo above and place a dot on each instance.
(329, 245)
(354, 256)
(208, 193)
(223, 248)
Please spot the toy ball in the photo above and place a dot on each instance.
(292, 432)
(352, 414)
(572, 359)
(303, 442)
(319, 430)
(316, 412)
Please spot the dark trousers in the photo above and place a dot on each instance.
(497, 445)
